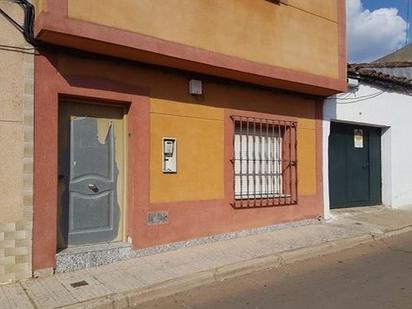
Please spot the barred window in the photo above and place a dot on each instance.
(265, 171)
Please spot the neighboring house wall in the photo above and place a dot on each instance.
(16, 148)
(391, 111)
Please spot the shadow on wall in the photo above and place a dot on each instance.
(330, 110)
(86, 71)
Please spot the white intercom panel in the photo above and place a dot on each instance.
(169, 148)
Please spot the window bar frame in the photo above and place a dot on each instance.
(281, 165)
(286, 169)
(247, 159)
(277, 155)
(274, 161)
(290, 164)
(286, 163)
(234, 155)
(295, 128)
(254, 161)
(241, 161)
(267, 155)
(259, 177)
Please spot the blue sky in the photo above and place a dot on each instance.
(376, 28)
(401, 5)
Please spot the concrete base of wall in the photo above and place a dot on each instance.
(41, 273)
(83, 257)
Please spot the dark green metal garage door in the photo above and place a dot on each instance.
(354, 165)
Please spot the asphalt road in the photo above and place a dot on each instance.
(374, 275)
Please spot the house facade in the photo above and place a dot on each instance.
(16, 147)
(160, 122)
(366, 134)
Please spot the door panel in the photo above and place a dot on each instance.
(337, 166)
(91, 215)
(354, 166)
(375, 163)
(91, 174)
(357, 168)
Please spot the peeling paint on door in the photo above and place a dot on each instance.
(103, 130)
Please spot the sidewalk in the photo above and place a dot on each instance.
(137, 280)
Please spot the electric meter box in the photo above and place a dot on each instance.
(169, 155)
(195, 87)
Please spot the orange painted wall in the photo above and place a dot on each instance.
(287, 36)
(200, 136)
(199, 130)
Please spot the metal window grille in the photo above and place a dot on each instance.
(265, 167)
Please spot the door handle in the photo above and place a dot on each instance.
(92, 187)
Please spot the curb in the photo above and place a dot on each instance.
(173, 286)
(394, 232)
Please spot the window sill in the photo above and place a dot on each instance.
(285, 200)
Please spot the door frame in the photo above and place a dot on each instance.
(53, 83)
(122, 236)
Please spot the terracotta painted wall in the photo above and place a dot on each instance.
(285, 36)
(198, 197)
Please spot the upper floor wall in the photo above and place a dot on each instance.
(297, 45)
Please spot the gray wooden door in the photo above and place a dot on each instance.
(90, 207)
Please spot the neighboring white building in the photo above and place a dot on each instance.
(376, 117)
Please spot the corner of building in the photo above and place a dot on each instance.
(16, 149)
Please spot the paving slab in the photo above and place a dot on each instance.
(119, 281)
(83, 285)
(48, 293)
(389, 220)
(13, 296)
(143, 278)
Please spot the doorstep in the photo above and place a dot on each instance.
(86, 256)
(354, 211)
